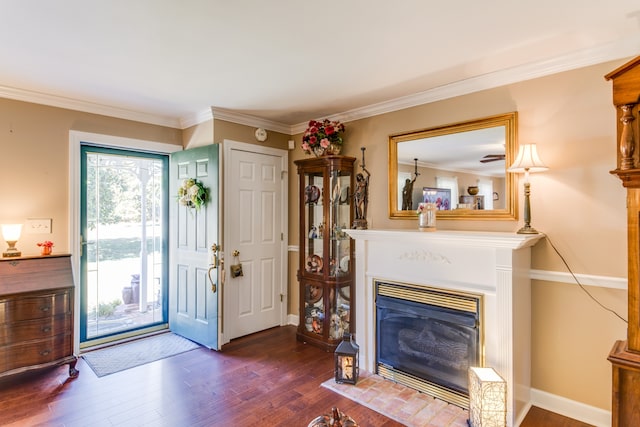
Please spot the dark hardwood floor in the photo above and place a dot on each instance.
(266, 379)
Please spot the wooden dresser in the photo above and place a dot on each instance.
(36, 314)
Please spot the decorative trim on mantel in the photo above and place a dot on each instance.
(460, 238)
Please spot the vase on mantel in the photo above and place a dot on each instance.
(45, 250)
(427, 218)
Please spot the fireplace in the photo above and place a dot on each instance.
(493, 265)
(428, 338)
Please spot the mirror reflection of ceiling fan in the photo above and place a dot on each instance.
(492, 158)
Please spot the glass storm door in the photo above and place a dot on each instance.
(124, 223)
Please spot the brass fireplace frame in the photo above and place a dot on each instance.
(426, 294)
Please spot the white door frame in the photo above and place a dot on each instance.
(75, 139)
(227, 146)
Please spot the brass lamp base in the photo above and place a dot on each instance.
(527, 229)
(11, 251)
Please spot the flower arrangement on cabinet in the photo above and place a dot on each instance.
(192, 194)
(45, 247)
(323, 137)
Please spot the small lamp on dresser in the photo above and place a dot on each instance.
(11, 234)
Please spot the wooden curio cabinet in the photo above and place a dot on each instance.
(625, 355)
(326, 268)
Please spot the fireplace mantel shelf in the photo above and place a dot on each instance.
(493, 239)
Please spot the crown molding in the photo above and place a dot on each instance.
(249, 120)
(196, 119)
(620, 49)
(607, 52)
(85, 106)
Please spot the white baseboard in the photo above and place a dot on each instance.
(293, 319)
(570, 408)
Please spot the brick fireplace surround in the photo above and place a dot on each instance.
(493, 264)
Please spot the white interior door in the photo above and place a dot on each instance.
(255, 229)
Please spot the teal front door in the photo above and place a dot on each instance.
(193, 282)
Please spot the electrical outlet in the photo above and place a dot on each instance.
(38, 226)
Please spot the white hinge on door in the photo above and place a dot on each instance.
(281, 237)
(281, 297)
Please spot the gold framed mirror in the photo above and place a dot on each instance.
(462, 167)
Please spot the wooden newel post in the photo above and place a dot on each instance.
(627, 139)
(625, 354)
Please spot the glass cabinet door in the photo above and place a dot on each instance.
(339, 217)
(316, 225)
(340, 311)
(314, 308)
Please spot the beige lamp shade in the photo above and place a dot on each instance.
(527, 160)
(11, 232)
(487, 398)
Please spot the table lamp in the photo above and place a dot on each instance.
(527, 161)
(11, 234)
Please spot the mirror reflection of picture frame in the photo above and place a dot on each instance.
(440, 196)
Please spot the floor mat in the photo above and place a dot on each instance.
(135, 353)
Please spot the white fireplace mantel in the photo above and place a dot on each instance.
(492, 264)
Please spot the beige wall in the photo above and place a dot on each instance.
(577, 203)
(226, 130)
(34, 162)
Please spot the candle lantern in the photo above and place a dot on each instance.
(346, 361)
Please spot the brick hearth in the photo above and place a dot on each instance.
(401, 403)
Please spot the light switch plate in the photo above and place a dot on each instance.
(38, 225)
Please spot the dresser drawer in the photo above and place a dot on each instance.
(35, 306)
(35, 329)
(36, 352)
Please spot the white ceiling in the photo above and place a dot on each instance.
(279, 63)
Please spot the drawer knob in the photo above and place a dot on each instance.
(45, 352)
(45, 308)
(46, 329)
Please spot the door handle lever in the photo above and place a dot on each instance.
(214, 264)
(214, 287)
(214, 255)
